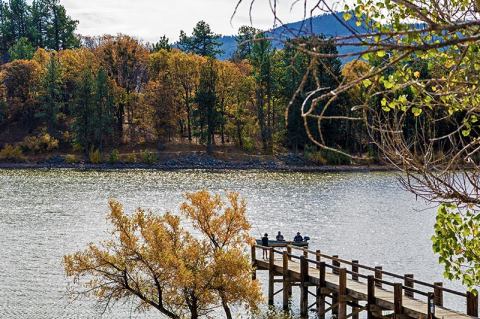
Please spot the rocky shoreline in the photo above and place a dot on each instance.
(203, 162)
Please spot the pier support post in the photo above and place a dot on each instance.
(408, 282)
(370, 296)
(397, 300)
(472, 304)
(303, 287)
(286, 283)
(438, 294)
(254, 264)
(271, 277)
(342, 294)
(320, 295)
(318, 258)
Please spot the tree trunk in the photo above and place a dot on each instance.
(189, 115)
(225, 306)
(261, 119)
(222, 127)
(239, 134)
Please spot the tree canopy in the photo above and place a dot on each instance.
(155, 259)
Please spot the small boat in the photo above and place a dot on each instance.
(284, 243)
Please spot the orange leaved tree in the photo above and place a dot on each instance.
(156, 259)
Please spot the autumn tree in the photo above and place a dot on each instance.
(126, 61)
(20, 80)
(185, 70)
(156, 260)
(241, 123)
(202, 41)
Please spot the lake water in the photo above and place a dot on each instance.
(45, 214)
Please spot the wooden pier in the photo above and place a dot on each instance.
(330, 284)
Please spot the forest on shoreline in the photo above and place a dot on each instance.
(98, 98)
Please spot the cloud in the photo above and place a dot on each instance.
(150, 19)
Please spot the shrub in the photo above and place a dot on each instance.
(12, 153)
(315, 157)
(77, 147)
(114, 156)
(95, 156)
(334, 158)
(71, 158)
(41, 143)
(325, 157)
(149, 157)
(131, 158)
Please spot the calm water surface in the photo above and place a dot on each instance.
(45, 214)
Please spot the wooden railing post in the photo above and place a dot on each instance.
(397, 299)
(336, 264)
(355, 270)
(355, 277)
(318, 258)
(271, 276)
(289, 251)
(438, 294)
(378, 275)
(430, 308)
(286, 283)
(254, 262)
(342, 293)
(370, 296)
(408, 282)
(305, 252)
(320, 295)
(335, 271)
(472, 304)
(303, 287)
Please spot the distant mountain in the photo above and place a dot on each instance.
(326, 24)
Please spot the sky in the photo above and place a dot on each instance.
(150, 19)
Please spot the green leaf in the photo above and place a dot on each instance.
(416, 111)
(388, 85)
(347, 16)
(381, 53)
(367, 83)
(383, 102)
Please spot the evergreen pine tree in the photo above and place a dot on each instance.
(206, 99)
(51, 98)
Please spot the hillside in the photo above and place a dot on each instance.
(325, 24)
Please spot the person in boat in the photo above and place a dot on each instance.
(298, 238)
(265, 244)
(280, 237)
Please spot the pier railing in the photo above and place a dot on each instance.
(374, 277)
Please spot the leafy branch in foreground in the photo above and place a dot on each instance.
(154, 259)
(419, 99)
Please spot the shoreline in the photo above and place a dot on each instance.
(227, 166)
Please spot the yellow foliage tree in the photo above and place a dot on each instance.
(154, 258)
